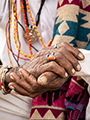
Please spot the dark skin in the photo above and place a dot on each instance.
(28, 86)
(55, 72)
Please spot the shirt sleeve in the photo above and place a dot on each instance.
(85, 67)
(15, 104)
(3, 13)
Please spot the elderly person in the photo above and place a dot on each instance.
(51, 61)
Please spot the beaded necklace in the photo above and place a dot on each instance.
(16, 18)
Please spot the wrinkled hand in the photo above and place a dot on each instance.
(66, 61)
(28, 86)
(55, 71)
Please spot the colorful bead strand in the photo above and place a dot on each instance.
(16, 18)
(33, 22)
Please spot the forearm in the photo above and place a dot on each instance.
(15, 69)
(5, 81)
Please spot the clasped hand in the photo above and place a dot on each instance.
(39, 76)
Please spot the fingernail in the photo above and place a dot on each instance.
(73, 71)
(42, 80)
(10, 86)
(20, 72)
(78, 67)
(11, 77)
(66, 75)
(81, 56)
(16, 92)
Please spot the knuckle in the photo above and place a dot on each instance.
(52, 64)
(35, 87)
(62, 71)
(75, 62)
(76, 50)
(64, 43)
(60, 55)
(18, 81)
(32, 92)
(62, 49)
(69, 66)
(57, 55)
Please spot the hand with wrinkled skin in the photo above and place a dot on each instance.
(28, 86)
(66, 62)
(66, 59)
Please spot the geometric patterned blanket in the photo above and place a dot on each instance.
(72, 25)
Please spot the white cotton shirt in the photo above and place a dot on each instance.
(17, 107)
(45, 28)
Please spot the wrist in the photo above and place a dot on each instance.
(3, 72)
(5, 77)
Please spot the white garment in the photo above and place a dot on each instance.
(14, 107)
(19, 105)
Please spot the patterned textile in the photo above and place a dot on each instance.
(72, 25)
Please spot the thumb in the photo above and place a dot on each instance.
(46, 78)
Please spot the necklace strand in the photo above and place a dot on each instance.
(16, 18)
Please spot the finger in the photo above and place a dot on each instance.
(65, 63)
(38, 89)
(46, 78)
(54, 67)
(70, 58)
(73, 50)
(18, 89)
(53, 81)
(29, 78)
(21, 82)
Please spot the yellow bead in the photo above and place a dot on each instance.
(43, 45)
(21, 52)
(15, 27)
(18, 48)
(24, 55)
(31, 19)
(14, 18)
(15, 40)
(32, 56)
(16, 45)
(28, 56)
(40, 38)
(7, 42)
(35, 26)
(29, 11)
(33, 23)
(28, 6)
(36, 30)
(14, 36)
(26, 2)
(14, 14)
(42, 42)
(30, 15)
(38, 34)
(14, 31)
(14, 23)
